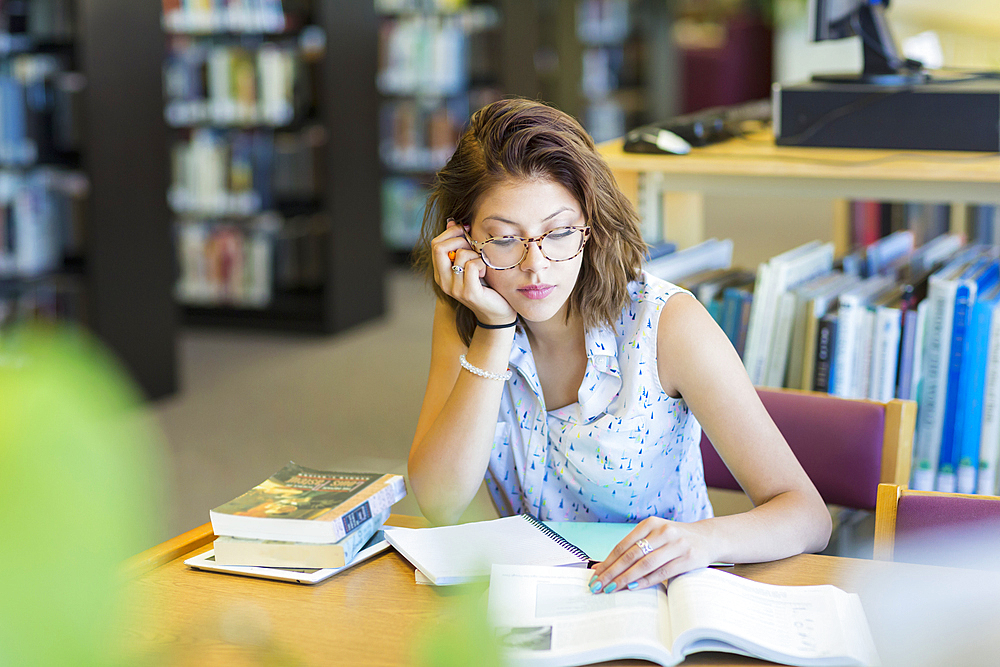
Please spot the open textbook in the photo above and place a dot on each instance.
(548, 617)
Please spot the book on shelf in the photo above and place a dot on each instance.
(980, 275)
(282, 553)
(774, 277)
(942, 288)
(707, 255)
(460, 554)
(305, 505)
(989, 440)
(854, 329)
(548, 617)
(969, 417)
(813, 301)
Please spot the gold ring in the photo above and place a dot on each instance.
(644, 546)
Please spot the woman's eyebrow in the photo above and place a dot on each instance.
(511, 222)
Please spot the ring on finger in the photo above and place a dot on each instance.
(457, 270)
(644, 546)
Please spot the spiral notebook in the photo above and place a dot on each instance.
(461, 554)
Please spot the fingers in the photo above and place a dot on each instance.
(445, 249)
(652, 553)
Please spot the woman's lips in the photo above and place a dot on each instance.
(536, 291)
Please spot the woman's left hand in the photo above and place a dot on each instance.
(653, 552)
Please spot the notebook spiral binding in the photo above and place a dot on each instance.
(569, 546)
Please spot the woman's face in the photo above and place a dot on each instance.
(537, 288)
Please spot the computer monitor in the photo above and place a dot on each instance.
(884, 63)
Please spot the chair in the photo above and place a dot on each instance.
(937, 528)
(846, 446)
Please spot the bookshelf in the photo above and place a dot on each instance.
(436, 66)
(84, 239)
(274, 188)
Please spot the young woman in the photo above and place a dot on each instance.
(576, 384)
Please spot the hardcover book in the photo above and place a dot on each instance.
(305, 505)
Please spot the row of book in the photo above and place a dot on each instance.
(42, 220)
(425, 6)
(35, 20)
(39, 110)
(237, 16)
(403, 201)
(420, 134)
(304, 518)
(237, 172)
(891, 321)
(872, 220)
(423, 54)
(47, 299)
(242, 263)
(234, 84)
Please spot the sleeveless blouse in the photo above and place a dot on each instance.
(623, 452)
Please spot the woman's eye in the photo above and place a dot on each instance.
(504, 243)
(562, 233)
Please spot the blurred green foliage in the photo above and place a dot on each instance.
(79, 464)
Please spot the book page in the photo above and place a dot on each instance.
(541, 614)
(805, 623)
(463, 553)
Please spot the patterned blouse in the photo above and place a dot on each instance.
(623, 452)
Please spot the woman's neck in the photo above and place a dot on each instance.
(558, 333)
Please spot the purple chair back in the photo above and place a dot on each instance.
(837, 441)
(945, 529)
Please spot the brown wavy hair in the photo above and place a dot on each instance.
(522, 139)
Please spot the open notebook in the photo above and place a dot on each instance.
(464, 553)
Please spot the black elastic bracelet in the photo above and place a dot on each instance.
(495, 326)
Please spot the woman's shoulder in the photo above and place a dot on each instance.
(649, 291)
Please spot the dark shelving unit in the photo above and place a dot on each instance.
(126, 268)
(344, 104)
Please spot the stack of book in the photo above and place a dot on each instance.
(304, 518)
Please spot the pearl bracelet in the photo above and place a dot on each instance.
(475, 370)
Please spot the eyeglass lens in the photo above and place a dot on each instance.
(558, 245)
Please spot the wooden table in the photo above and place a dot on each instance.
(371, 614)
(754, 165)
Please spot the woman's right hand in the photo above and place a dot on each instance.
(468, 287)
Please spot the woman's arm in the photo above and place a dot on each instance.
(454, 437)
(696, 361)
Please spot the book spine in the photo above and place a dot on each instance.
(974, 367)
(777, 361)
(950, 444)
(906, 354)
(391, 489)
(863, 354)
(849, 316)
(882, 385)
(934, 378)
(731, 313)
(357, 538)
(797, 351)
(746, 303)
(989, 437)
(761, 318)
(826, 345)
(556, 537)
